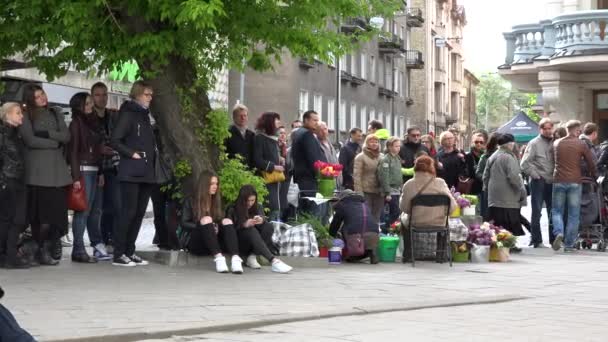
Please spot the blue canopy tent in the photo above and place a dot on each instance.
(522, 127)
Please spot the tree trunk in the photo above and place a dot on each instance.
(181, 126)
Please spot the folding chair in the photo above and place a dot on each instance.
(434, 201)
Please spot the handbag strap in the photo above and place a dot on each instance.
(419, 192)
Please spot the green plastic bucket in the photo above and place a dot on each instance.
(460, 256)
(327, 186)
(387, 248)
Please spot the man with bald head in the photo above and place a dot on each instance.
(326, 146)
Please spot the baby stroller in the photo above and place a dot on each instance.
(593, 216)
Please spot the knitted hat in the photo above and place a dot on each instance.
(505, 139)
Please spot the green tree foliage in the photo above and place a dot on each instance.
(179, 45)
(495, 96)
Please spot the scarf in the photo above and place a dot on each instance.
(371, 153)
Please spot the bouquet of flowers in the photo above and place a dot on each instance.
(460, 246)
(461, 200)
(328, 170)
(395, 228)
(481, 235)
(504, 239)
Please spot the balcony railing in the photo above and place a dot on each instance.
(575, 33)
(386, 92)
(414, 17)
(413, 59)
(353, 25)
(391, 45)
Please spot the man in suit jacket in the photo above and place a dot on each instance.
(241, 138)
(306, 150)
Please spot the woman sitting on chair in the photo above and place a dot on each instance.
(425, 182)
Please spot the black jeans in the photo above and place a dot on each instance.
(110, 217)
(253, 241)
(13, 196)
(204, 240)
(159, 203)
(135, 198)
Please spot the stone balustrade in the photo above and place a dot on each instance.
(565, 34)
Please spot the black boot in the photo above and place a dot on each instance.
(373, 257)
(56, 249)
(44, 257)
(17, 262)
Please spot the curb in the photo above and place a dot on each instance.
(293, 318)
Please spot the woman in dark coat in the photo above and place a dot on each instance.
(491, 147)
(85, 162)
(352, 215)
(133, 139)
(450, 160)
(12, 186)
(254, 231)
(267, 158)
(46, 172)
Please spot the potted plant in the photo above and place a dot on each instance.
(502, 244)
(461, 201)
(470, 210)
(460, 251)
(326, 177)
(480, 237)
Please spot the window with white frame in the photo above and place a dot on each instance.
(353, 64)
(304, 106)
(372, 69)
(363, 70)
(363, 117)
(342, 115)
(343, 64)
(353, 115)
(331, 113)
(317, 104)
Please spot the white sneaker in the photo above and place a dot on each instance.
(252, 262)
(280, 267)
(220, 264)
(100, 252)
(236, 265)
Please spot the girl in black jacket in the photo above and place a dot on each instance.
(202, 216)
(254, 232)
(352, 215)
(133, 138)
(12, 185)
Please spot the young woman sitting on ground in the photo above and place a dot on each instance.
(253, 230)
(202, 215)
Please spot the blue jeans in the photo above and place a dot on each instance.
(89, 218)
(566, 196)
(540, 192)
(110, 217)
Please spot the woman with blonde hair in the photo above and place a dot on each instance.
(429, 142)
(364, 175)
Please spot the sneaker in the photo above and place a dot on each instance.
(100, 252)
(280, 267)
(557, 244)
(539, 245)
(252, 262)
(65, 241)
(138, 261)
(236, 265)
(220, 264)
(124, 261)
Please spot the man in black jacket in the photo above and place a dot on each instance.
(241, 138)
(410, 148)
(306, 150)
(347, 157)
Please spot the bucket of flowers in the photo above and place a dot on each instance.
(503, 242)
(481, 238)
(460, 251)
(471, 209)
(461, 201)
(326, 177)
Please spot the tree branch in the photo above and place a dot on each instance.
(113, 17)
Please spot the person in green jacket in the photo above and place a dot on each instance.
(390, 178)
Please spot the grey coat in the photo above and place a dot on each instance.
(538, 161)
(45, 164)
(502, 181)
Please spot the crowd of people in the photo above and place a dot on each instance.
(114, 156)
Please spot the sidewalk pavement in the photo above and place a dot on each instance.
(105, 303)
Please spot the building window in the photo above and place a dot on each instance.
(353, 115)
(363, 117)
(331, 114)
(342, 115)
(353, 64)
(343, 64)
(395, 85)
(381, 117)
(372, 71)
(372, 115)
(363, 71)
(304, 106)
(317, 104)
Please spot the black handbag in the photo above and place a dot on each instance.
(161, 171)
